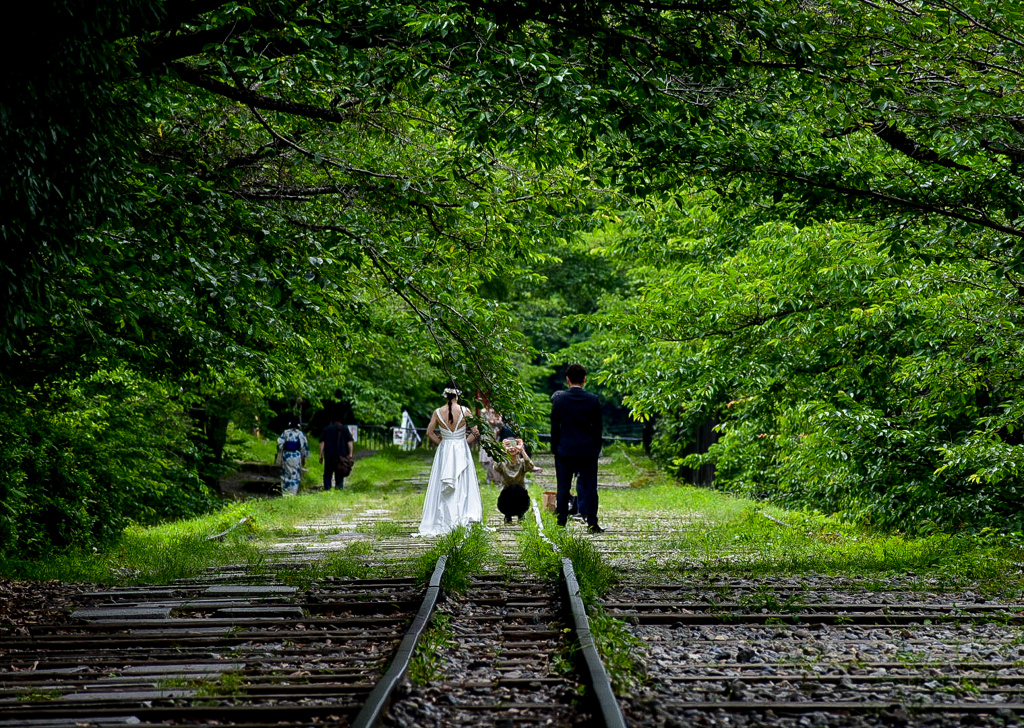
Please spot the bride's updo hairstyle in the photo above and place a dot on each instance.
(451, 393)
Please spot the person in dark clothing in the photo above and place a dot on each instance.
(335, 439)
(576, 431)
(503, 432)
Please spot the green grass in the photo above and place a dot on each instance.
(714, 534)
(242, 446)
(181, 549)
(427, 661)
(537, 555)
(347, 563)
(629, 464)
(151, 555)
(620, 651)
(390, 465)
(467, 549)
(39, 696)
(593, 573)
(723, 534)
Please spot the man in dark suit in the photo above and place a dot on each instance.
(576, 444)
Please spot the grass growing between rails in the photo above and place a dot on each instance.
(620, 650)
(183, 548)
(467, 549)
(537, 554)
(595, 576)
(427, 661)
(721, 534)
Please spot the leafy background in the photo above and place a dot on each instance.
(797, 222)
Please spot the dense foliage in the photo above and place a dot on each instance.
(843, 378)
(215, 203)
(846, 303)
(260, 212)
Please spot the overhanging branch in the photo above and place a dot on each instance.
(981, 221)
(898, 140)
(261, 101)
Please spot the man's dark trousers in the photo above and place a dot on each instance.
(329, 466)
(585, 468)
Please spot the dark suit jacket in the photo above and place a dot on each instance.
(576, 424)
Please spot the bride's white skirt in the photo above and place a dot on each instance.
(453, 494)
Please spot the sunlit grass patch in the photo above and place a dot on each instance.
(593, 573)
(153, 555)
(537, 554)
(242, 446)
(717, 533)
(181, 549)
(382, 529)
(467, 549)
(630, 464)
(391, 466)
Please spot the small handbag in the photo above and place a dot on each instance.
(344, 466)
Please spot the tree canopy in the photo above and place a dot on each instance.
(793, 207)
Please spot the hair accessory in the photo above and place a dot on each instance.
(451, 390)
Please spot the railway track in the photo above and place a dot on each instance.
(891, 656)
(235, 649)
(508, 656)
(504, 660)
(809, 650)
(195, 653)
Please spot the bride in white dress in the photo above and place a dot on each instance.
(453, 494)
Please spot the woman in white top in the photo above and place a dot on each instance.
(453, 494)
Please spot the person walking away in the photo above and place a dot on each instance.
(293, 449)
(453, 493)
(576, 431)
(335, 440)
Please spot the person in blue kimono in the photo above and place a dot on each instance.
(292, 449)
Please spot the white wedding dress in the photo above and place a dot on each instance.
(453, 494)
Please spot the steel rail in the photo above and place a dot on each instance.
(380, 698)
(593, 668)
(782, 619)
(596, 675)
